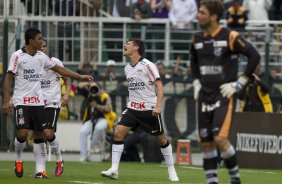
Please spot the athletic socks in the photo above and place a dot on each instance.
(55, 147)
(167, 153)
(210, 166)
(229, 157)
(19, 147)
(117, 149)
(40, 155)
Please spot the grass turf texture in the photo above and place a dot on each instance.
(130, 173)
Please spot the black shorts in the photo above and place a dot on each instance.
(216, 118)
(51, 117)
(149, 123)
(29, 117)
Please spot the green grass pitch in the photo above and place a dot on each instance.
(129, 173)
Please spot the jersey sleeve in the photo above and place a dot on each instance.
(194, 61)
(59, 63)
(152, 71)
(13, 63)
(241, 46)
(48, 63)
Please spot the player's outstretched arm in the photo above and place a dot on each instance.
(66, 72)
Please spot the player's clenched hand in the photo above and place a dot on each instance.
(88, 78)
(156, 111)
(65, 100)
(7, 107)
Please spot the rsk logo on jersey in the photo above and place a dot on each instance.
(31, 100)
(31, 76)
(136, 105)
(45, 84)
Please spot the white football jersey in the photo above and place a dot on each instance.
(28, 72)
(51, 86)
(142, 95)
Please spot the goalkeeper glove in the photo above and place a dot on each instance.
(228, 89)
(197, 87)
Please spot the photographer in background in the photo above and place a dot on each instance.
(97, 117)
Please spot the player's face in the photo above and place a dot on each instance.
(44, 47)
(37, 42)
(203, 17)
(128, 48)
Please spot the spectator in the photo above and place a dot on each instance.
(110, 70)
(160, 8)
(97, 118)
(181, 15)
(255, 95)
(119, 8)
(87, 68)
(141, 10)
(236, 16)
(255, 6)
(162, 71)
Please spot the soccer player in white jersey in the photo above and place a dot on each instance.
(26, 67)
(51, 88)
(143, 109)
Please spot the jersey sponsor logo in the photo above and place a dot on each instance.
(134, 85)
(45, 83)
(199, 45)
(31, 99)
(31, 76)
(222, 43)
(136, 105)
(211, 70)
(150, 70)
(217, 51)
(210, 107)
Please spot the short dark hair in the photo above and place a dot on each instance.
(140, 44)
(30, 34)
(215, 7)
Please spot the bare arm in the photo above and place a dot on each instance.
(66, 72)
(65, 98)
(160, 94)
(7, 107)
(107, 107)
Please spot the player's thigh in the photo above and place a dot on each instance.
(151, 124)
(23, 117)
(205, 125)
(38, 117)
(51, 116)
(222, 118)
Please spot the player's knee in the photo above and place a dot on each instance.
(48, 134)
(22, 134)
(208, 146)
(221, 142)
(119, 135)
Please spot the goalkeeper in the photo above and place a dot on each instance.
(214, 59)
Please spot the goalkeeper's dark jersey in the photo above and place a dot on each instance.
(214, 60)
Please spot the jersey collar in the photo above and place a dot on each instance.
(140, 59)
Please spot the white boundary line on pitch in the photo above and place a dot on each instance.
(85, 182)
